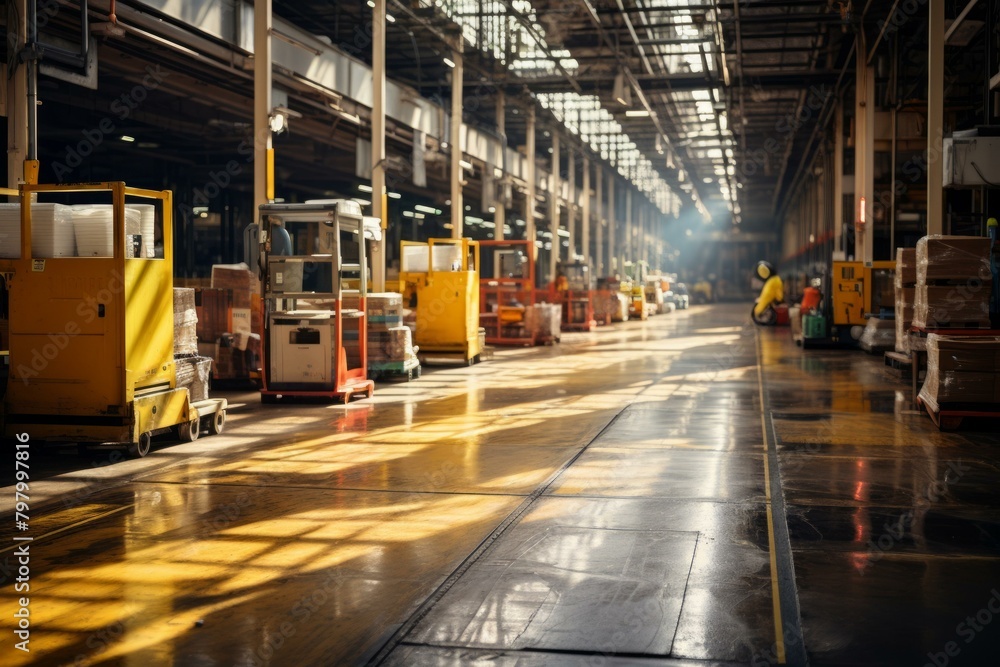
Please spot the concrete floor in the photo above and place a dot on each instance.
(683, 491)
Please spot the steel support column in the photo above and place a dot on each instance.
(263, 152)
(585, 214)
(17, 101)
(864, 160)
(499, 204)
(554, 187)
(838, 179)
(626, 248)
(457, 205)
(935, 117)
(612, 221)
(599, 219)
(379, 198)
(529, 199)
(571, 204)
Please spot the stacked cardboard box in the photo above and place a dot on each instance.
(388, 339)
(213, 306)
(962, 369)
(241, 281)
(905, 281)
(953, 282)
(185, 322)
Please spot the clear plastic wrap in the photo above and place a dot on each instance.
(185, 322)
(194, 373)
(962, 369)
(879, 335)
(956, 306)
(543, 319)
(906, 267)
(952, 258)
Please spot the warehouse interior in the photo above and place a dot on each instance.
(511, 332)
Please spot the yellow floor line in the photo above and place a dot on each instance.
(779, 635)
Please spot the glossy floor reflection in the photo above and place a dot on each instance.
(602, 501)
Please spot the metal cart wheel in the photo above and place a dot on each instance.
(190, 431)
(137, 450)
(217, 422)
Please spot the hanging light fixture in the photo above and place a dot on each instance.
(622, 92)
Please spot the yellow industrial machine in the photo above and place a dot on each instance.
(860, 291)
(635, 288)
(442, 276)
(91, 337)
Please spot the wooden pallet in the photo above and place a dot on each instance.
(898, 364)
(949, 416)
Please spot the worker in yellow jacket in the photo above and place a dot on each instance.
(771, 294)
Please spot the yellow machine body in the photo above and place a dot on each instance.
(444, 275)
(91, 338)
(860, 290)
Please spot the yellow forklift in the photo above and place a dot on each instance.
(92, 333)
(440, 280)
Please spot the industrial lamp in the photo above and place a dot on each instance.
(278, 120)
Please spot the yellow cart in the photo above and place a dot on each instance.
(91, 337)
(442, 276)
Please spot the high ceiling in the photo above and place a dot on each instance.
(692, 95)
(707, 107)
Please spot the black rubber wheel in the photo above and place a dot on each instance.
(217, 422)
(268, 399)
(765, 319)
(416, 371)
(189, 431)
(137, 450)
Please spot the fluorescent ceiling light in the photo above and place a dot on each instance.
(450, 63)
(407, 214)
(395, 195)
(365, 188)
(637, 113)
(465, 164)
(127, 138)
(424, 209)
(390, 18)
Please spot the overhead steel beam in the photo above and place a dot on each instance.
(593, 84)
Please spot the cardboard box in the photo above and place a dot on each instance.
(212, 306)
(906, 266)
(967, 354)
(953, 258)
(239, 279)
(951, 306)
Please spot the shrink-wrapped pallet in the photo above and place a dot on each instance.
(194, 373)
(956, 306)
(879, 335)
(904, 317)
(952, 258)
(906, 267)
(961, 369)
(185, 322)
